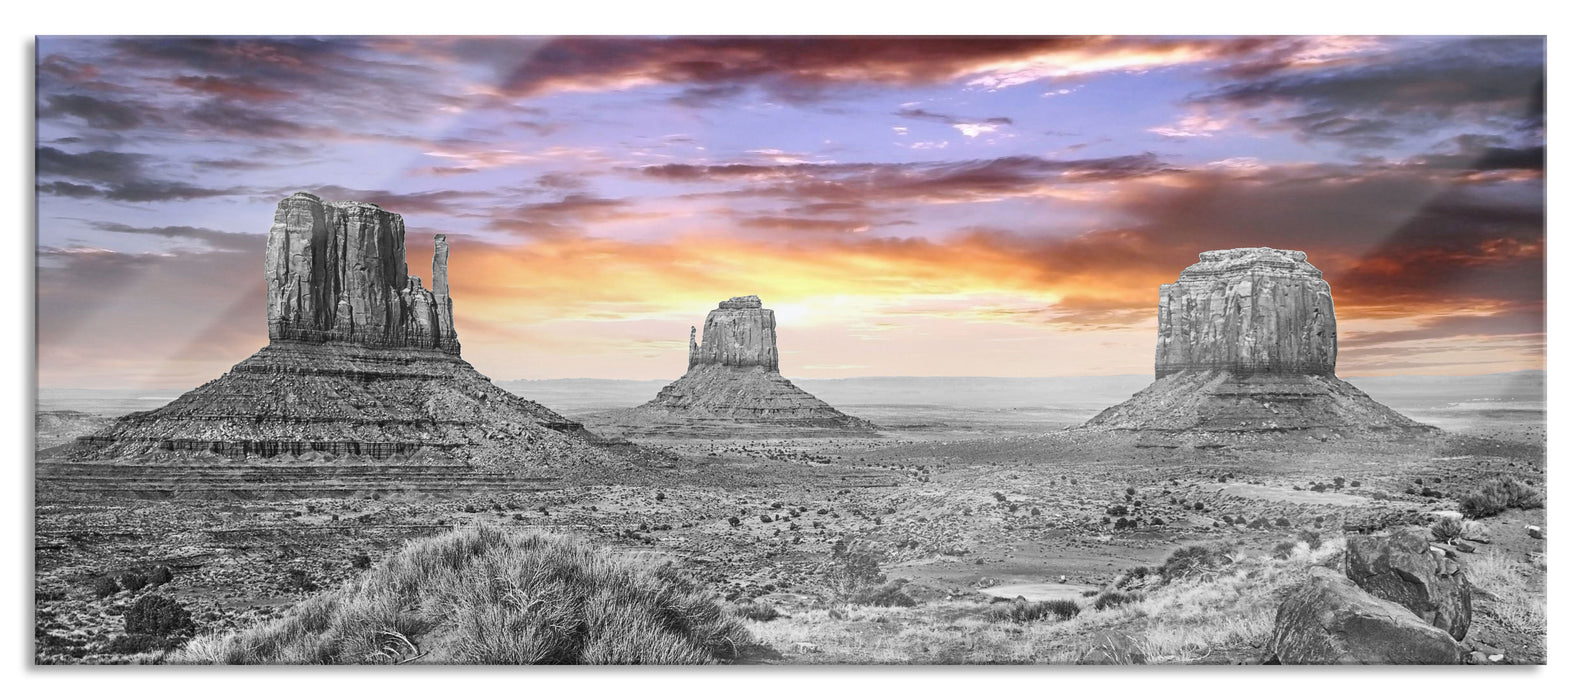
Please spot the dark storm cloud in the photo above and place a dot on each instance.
(1371, 102)
(921, 181)
(97, 166)
(96, 113)
(111, 175)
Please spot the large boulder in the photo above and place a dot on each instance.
(1401, 567)
(1331, 620)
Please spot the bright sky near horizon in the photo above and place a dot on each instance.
(927, 207)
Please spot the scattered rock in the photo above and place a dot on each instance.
(1535, 532)
(1403, 568)
(1331, 620)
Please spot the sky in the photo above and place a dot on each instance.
(998, 206)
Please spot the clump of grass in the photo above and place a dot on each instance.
(1194, 561)
(1446, 529)
(757, 610)
(1495, 496)
(1113, 599)
(1023, 611)
(1503, 580)
(888, 595)
(489, 596)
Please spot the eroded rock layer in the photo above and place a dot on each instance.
(733, 386)
(1247, 343)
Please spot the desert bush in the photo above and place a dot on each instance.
(1495, 496)
(1284, 549)
(888, 595)
(158, 616)
(1282, 522)
(1446, 529)
(1195, 560)
(1022, 611)
(757, 610)
(1311, 537)
(105, 586)
(1260, 523)
(485, 595)
(855, 571)
(1116, 510)
(361, 561)
(1197, 506)
(1111, 599)
(1157, 521)
(1355, 483)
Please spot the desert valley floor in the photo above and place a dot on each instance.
(972, 495)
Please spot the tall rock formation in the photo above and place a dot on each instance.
(336, 271)
(1247, 310)
(362, 364)
(1247, 343)
(733, 386)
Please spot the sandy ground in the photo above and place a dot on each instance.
(961, 513)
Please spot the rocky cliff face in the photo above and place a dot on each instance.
(740, 333)
(1247, 310)
(336, 271)
(1247, 344)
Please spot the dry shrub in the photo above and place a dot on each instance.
(489, 596)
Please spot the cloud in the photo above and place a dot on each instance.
(971, 128)
(94, 112)
(212, 240)
(929, 181)
(113, 175)
(803, 69)
(1374, 101)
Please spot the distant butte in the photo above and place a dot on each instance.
(733, 386)
(1247, 343)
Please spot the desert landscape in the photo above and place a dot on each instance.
(1110, 350)
(966, 523)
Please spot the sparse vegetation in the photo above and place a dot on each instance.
(1022, 611)
(158, 616)
(488, 596)
(1495, 496)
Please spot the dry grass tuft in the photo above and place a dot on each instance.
(488, 596)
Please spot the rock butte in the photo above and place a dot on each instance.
(363, 366)
(733, 385)
(1247, 343)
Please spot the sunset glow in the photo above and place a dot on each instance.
(908, 206)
